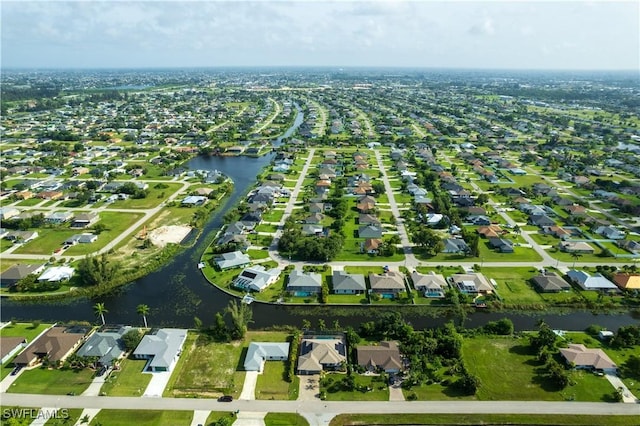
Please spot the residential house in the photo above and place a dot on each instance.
(162, 349)
(318, 353)
(550, 283)
(575, 210)
(84, 220)
(234, 259)
(366, 204)
(610, 233)
(194, 200)
(58, 218)
(455, 245)
(371, 245)
(556, 231)
(106, 345)
(629, 245)
(384, 356)
(314, 218)
(256, 278)
(369, 231)
(591, 282)
(310, 229)
(389, 284)
(345, 283)
(8, 212)
(55, 274)
(541, 220)
(627, 281)
(56, 344)
(472, 283)
(575, 247)
(367, 219)
(81, 238)
(15, 273)
(430, 285)
(21, 236)
(259, 352)
(9, 346)
(304, 284)
(580, 357)
(491, 231)
(503, 245)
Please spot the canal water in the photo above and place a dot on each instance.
(178, 292)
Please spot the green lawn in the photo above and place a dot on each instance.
(513, 284)
(207, 369)
(274, 215)
(72, 416)
(52, 238)
(368, 388)
(129, 380)
(285, 419)
(258, 254)
(52, 382)
(142, 418)
(153, 198)
(477, 419)
(519, 375)
(271, 383)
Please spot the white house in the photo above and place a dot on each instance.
(256, 278)
(162, 349)
(233, 259)
(259, 352)
(591, 282)
(56, 274)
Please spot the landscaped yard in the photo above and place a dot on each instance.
(285, 419)
(508, 370)
(367, 388)
(142, 418)
(73, 416)
(25, 330)
(129, 380)
(53, 382)
(271, 383)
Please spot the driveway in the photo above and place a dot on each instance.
(200, 417)
(157, 384)
(250, 418)
(96, 384)
(615, 381)
(249, 388)
(309, 388)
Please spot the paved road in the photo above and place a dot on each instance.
(319, 407)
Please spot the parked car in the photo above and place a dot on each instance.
(225, 398)
(16, 370)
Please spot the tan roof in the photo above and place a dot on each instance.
(490, 231)
(56, 343)
(627, 281)
(579, 355)
(372, 243)
(389, 280)
(385, 355)
(321, 352)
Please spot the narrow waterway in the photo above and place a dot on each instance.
(178, 292)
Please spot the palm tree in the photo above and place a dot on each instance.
(575, 256)
(144, 311)
(100, 310)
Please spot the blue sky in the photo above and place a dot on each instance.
(475, 34)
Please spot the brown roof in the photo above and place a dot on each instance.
(372, 244)
(579, 355)
(627, 281)
(388, 281)
(385, 355)
(56, 343)
(490, 231)
(7, 344)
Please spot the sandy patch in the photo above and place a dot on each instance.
(168, 234)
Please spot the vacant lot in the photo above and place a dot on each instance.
(207, 368)
(52, 382)
(476, 419)
(272, 385)
(142, 417)
(368, 388)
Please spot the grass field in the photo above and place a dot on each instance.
(513, 284)
(485, 419)
(519, 376)
(52, 382)
(129, 380)
(207, 369)
(73, 417)
(285, 419)
(142, 418)
(153, 198)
